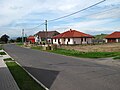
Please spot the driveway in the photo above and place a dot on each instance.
(58, 72)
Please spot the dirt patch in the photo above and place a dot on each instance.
(111, 47)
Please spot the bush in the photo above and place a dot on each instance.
(2, 53)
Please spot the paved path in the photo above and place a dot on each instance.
(7, 81)
(59, 72)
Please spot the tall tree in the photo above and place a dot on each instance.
(19, 39)
(4, 38)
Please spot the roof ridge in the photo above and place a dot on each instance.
(72, 33)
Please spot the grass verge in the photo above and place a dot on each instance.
(8, 59)
(81, 54)
(86, 54)
(19, 44)
(1, 47)
(37, 47)
(24, 81)
(117, 57)
(2, 53)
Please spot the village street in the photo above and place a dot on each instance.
(58, 72)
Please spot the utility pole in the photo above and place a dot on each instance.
(46, 31)
(22, 35)
(25, 37)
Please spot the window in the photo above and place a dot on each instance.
(68, 39)
(81, 39)
(55, 40)
(85, 39)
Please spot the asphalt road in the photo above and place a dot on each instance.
(59, 72)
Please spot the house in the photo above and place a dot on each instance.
(42, 35)
(31, 39)
(114, 37)
(72, 37)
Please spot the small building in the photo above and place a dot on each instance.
(113, 38)
(42, 35)
(31, 39)
(72, 37)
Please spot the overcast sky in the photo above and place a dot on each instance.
(18, 14)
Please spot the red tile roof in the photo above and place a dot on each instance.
(72, 34)
(31, 37)
(114, 35)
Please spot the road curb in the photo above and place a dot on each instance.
(33, 77)
(29, 73)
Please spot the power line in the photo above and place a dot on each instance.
(76, 11)
(36, 26)
(68, 14)
(98, 12)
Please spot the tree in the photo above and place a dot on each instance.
(19, 39)
(11, 41)
(4, 38)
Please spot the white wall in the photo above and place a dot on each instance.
(117, 40)
(37, 39)
(73, 41)
(70, 42)
(77, 40)
(55, 42)
(49, 40)
(106, 40)
(89, 40)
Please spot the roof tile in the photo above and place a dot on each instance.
(114, 35)
(72, 34)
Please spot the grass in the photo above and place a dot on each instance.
(20, 44)
(2, 53)
(117, 57)
(24, 81)
(8, 59)
(37, 47)
(1, 47)
(81, 54)
(86, 54)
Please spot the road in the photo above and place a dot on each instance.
(58, 72)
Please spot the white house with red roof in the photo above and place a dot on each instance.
(72, 37)
(113, 37)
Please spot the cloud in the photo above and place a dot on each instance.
(107, 14)
(18, 14)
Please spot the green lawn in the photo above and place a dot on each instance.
(24, 81)
(117, 57)
(37, 47)
(86, 54)
(81, 54)
(20, 44)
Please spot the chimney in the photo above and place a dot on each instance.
(70, 29)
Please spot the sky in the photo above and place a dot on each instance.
(16, 15)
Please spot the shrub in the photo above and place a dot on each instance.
(2, 53)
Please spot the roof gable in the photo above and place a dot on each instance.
(114, 35)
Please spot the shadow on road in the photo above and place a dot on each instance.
(46, 77)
